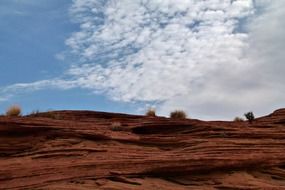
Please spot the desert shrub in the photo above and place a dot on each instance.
(13, 111)
(178, 114)
(249, 116)
(150, 112)
(238, 119)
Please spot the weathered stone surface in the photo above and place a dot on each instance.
(95, 150)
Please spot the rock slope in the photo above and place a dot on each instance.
(80, 150)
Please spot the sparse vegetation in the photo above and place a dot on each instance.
(116, 126)
(48, 114)
(150, 112)
(14, 111)
(52, 115)
(178, 114)
(238, 119)
(249, 116)
(34, 113)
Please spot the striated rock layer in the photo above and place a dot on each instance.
(80, 150)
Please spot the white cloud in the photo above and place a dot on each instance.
(60, 56)
(4, 98)
(266, 46)
(12, 90)
(161, 50)
(180, 54)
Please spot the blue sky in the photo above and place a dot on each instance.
(32, 33)
(129, 55)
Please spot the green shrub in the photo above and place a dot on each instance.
(249, 116)
(13, 111)
(178, 114)
(150, 112)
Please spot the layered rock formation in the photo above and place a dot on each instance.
(80, 150)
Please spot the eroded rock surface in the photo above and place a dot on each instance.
(80, 150)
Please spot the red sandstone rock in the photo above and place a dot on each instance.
(95, 150)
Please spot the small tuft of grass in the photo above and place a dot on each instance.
(116, 126)
(52, 115)
(238, 119)
(14, 111)
(178, 114)
(150, 113)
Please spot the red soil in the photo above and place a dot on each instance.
(80, 150)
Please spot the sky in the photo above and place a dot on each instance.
(214, 59)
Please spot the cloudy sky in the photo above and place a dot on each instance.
(215, 59)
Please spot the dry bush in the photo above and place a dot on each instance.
(13, 111)
(116, 126)
(178, 114)
(150, 112)
(238, 119)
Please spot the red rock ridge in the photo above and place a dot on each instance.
(81, 150)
